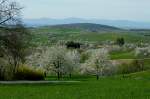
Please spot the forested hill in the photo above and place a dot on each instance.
(90, 27)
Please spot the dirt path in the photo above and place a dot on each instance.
(35, 82)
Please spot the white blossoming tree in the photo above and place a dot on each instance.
(98, 63)
(57, 59)
(142, 52)
(72, 59)
(54, 60)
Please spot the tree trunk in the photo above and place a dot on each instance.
(97, 77)
(58, 75)
(45, 74)
(61, 75)
(70, 75)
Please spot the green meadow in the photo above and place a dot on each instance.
(130, 86)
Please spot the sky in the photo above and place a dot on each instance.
(135, 10)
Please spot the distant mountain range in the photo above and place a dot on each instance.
(116, 23)
(86, 27)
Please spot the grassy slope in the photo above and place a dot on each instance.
(110, 36)
(123, 55)
(144, 75)
(89, 88)
(42, 34)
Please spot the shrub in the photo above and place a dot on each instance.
(134, 66)
(120, 41)
(73, 45)
(26, 73)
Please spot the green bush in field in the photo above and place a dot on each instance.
(120, 41)
(25, 73)
(134, 66)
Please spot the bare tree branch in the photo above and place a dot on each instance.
(5, 20)
(9, 11)
(3, 1)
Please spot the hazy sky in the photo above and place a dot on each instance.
(138, 10)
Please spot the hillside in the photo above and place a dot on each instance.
(87, 32)
(90, 27)
(117, 23)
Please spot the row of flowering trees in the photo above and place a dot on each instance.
(63, 61)
(56, 59)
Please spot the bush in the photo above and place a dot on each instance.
(134, 66)
(120, 41)
(73, 45)
(25, 73)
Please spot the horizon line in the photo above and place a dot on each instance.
(86, 19)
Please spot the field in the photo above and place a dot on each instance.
(132, 86)
(86, 34)
(72, 49)
(119, 86)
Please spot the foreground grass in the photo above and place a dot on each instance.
(88, 88)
